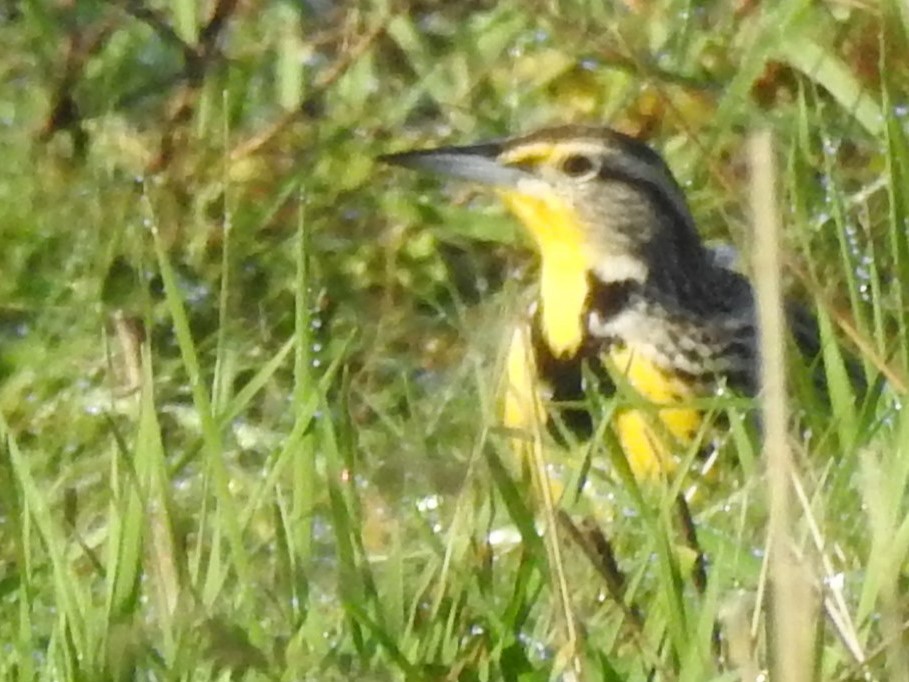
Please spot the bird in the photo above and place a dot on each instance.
(629, 295)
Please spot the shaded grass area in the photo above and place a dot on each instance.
(249, 377)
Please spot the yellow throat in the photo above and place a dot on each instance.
(563, 284)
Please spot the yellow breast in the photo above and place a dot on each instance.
(652, 439)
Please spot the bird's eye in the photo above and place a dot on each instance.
(577, 166)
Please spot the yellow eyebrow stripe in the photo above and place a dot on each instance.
(547, 152)
(530, 153)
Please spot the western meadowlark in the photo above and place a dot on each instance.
(626, 285)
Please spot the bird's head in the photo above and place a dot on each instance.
(593, 198)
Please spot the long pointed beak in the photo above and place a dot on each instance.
(478, 163)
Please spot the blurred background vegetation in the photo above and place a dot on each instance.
(244, 368)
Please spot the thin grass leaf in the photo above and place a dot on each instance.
(826, 69)
(76, 645)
